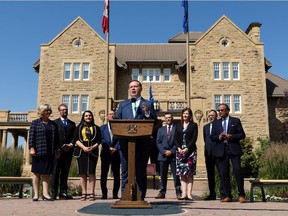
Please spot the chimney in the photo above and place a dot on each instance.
(253, 31)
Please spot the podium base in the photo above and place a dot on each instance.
(131, 204)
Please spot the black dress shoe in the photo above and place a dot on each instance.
(115, 197)
(160, 196)
(210, 197)
(104, 197)
(65, 196)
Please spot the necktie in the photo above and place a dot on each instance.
(210, 130)
(65, 122)
(224, 125)
(169, 132)
(134, 109)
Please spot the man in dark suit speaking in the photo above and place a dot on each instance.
(227, 133)
(136, 108)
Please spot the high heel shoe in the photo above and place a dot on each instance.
(47, 199)
(183, 198)
(35, 199)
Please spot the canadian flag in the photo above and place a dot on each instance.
(105, 21)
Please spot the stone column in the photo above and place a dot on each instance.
(14, 141)
(26, 149)
(4, 139)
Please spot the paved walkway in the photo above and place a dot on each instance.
(25, 206)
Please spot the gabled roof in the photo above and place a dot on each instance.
(181, 37)
(220, 20)
(71, 24)
(149, 53)
(276, 86)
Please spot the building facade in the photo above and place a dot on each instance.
(227, 65)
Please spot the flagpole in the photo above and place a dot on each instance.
(186, 31)
(188, 70)
(105, 27)
(107, 76)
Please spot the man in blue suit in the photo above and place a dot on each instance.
(167, 156)
(109, 155)
(136, 108)
(227, 133)
(209, 158)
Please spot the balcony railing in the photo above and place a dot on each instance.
(18, 117)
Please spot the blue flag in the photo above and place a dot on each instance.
(150, 93)
(185, 20)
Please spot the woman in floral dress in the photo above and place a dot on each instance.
(186, 154)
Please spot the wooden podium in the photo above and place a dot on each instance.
(131, 130)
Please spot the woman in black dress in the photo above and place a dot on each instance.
(43, 146)
(87, 138)
(186, 153)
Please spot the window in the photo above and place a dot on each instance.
(67, 71)
(75, 99)
(233, 101)
(217, 101)
(85, 72)
(66, 100)
(226, 70)
(152, 75)
(237, 103)
(80, 71)
(235, 71)
(227, 100)
(74, 103)
(167, 74)
(77, 71)
(216, 70)
(135, 74)
(84, 103)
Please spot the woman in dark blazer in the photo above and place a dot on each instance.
(186, 155)
(87, 138)
(43, 146)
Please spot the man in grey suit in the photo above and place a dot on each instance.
(210, 161)
(166, 146)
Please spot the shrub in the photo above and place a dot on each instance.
(274, 165)
(11, 164)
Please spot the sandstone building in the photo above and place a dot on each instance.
(227, 65)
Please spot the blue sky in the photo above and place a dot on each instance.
(27, 24)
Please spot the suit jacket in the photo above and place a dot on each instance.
(163, 143)
(65, 134)
(106, 141)
(190, 138)
(96, 138)
(37, 137)
(208, 143)
(234, 128)
(125, 111)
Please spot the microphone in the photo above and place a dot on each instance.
(132, 100)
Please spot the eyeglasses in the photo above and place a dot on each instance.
(63, 109)
(221, 110)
